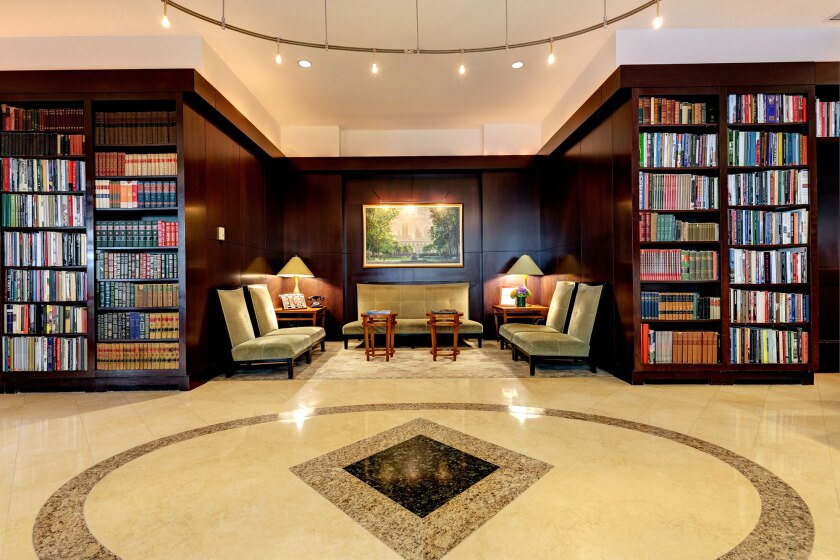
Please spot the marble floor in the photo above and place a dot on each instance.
(579, 467)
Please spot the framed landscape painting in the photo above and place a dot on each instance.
(413, 235)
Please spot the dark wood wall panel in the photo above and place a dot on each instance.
(225, 186)
(828, 198)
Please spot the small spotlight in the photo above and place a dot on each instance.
(164, 21)
(517, 65)
(304, 63)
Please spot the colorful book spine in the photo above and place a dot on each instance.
(126, 266)
(44, 319)
(666, 227)
(828, 118)
(42, 175)
(769, 108)
(770, 188)
(44, 353)
(679, 306)
(44, 248)
(136, 233)
(678, 191)
(758, 227)
(751, 306)
(135, 127)
(42, 211)
(135, 194)
(673, 265)
(777, 266)
(679, 347)
(137, 325)
(752, 345)
(45, 285)
(64, 119)
(121, 164)
(128, 294)
(750, 148)
(661, 110)
(137, 355)
(41, 144)
(668, 149)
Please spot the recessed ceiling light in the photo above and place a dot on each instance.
(304, 63)
(517, 65)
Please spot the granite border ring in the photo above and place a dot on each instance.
(785, 528)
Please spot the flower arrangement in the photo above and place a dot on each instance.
(520, 292)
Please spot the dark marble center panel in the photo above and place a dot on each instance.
(421, 474)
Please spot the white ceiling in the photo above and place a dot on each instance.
(411, 91)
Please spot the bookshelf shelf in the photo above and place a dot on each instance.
(687, 282)
(135, 340)
(791, 285)
(828, 139)
(747, 168)
(144, 249)
(165, 209)
(679, 169)
(53, 267)
(669, 127)
(679, 243)
(710, 213)
(769, 246)
(678, 321)
(793, 325)
(768, 207)
(30, 302)
(78, 229)
(56, 193)
(133, 147)
(768, 126)
(30, 156)
(138, 177)
(140, 280)
(119, 309)
(34, 334)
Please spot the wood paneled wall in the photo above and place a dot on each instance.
(226, 186)
(584, 235)
(828, 197)
(322, 223)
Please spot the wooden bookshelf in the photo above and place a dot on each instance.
(724, 371)
(12, 377)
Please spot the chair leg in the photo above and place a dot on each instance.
(532, 363)
(290, 364)
(501, 343)
(479, 342)
(309, 356)
(513, 355)
(592, 367)
(323, 345)
(345, 343)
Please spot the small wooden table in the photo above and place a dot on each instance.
(312, 315)
(444, 320)
(388, 322)
(505, 313)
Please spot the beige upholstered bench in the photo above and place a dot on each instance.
(411, 302)
(247, 348)
(549, 342)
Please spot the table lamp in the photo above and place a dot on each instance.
(295, 268)
(525, 266)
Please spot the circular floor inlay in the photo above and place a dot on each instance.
(234, 474)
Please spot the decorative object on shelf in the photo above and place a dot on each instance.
(295, 268)
(412, 235)
(524, 266)
(504, 295)
(316, 302)
(293, 301)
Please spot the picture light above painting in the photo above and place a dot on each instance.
(409, 235)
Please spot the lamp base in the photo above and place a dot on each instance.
(296, 290)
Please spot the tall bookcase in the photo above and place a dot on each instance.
(44, 225)
(797, 352)
(139, 268)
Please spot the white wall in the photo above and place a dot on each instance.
(310, 141)
(444, 142)
(511, 139)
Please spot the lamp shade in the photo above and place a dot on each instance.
(295, 267)
(525, 265)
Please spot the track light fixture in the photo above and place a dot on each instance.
(374, 68)
(164, 21)
(277, 58)
(657, 21)
(605, 21)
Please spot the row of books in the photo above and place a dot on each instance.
(751, 148)
(679, 347)
(44, 248)
(135, 127)
(41, 144)
(828, 118)
(137, 355)
(766, 108)
(45, 285)
(750, 306)
(136, 325)
(669, 149)
(44, 353)
(670, 265)
(127, 294)
(678, 191)
(772, 187)
(43, 211)
(42, 175)
(666, 227)
(778, 266)
(121, 266)
(44, 319)
(135, 194)
(758, 227)
(660, 110)
(62, 118)
(136, 233)
(679, 306)
(119, 164)
(751, 345)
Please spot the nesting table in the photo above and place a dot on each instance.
(448, 321)
(385, 322)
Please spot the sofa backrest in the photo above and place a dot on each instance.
(263, 308)
(584, 311)
(237, 319)
(561, 301)
(413, 301)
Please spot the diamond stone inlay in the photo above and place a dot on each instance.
(421, 488)
(421, 474)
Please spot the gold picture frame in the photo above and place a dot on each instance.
(413, 235)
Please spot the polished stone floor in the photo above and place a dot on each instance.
(608, 488)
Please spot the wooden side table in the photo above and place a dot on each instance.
(445, 320)
(505, 313)
(311, 315)
(388, 322)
